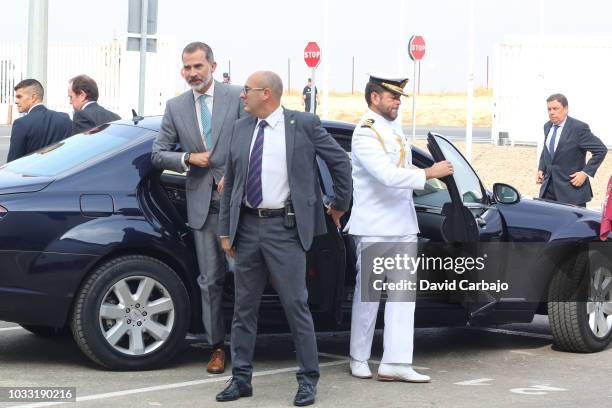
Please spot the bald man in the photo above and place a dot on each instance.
(271, 208)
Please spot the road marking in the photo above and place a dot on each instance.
(170, 386)
(512, 332)
(479, 381)
(345, 358)
(536, 390)
(522, 352)
(12, 328)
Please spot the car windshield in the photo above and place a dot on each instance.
(74, 151)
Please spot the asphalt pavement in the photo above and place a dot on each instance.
(504, 366)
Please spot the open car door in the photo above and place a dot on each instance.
(471, 225)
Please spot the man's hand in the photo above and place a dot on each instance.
(540, 177)
(221, 185)
(439, 170)
(578, 178)
(199, 159)
(335, 214)
(225, 244)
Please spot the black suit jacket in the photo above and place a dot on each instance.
(305, 139)
(93, 115)
(39, 128)
(575, 141)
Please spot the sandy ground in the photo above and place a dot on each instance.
(434, 109)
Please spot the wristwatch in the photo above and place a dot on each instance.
(187, 158)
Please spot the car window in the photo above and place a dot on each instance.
(467, 181)
(435, 194)
(74, 151)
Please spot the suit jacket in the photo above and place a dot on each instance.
(180, 125)
(39, 128)
(383, 179)
(93, 115)
(575, 141)
(305, 139)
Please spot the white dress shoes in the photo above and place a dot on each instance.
(400, 372)
(360, 369)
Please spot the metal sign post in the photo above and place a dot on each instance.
(143, 56)
(312, 58)
(416, 51)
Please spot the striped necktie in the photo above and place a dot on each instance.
(254, 194)
(206, 122)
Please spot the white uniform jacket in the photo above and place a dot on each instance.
(383, 179)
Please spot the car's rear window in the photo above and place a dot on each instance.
(74, 151)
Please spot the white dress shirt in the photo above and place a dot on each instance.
(558, 137)
(87, 104)
(274, 176)
(210, 92)
(198, 108)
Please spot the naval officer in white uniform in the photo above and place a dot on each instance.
(383, 211)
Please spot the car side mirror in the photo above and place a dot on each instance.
(506, 194)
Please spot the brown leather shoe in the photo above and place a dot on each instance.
(216, 365)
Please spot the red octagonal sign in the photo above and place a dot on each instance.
(416, 47)
(312, 54)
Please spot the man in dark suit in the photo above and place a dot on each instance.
(562, 171)
(83, 95)
(201, 121)
(271, 209)
(41, 127)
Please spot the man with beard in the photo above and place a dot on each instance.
(200, 121)
(383, 212)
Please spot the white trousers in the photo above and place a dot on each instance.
(399, 316)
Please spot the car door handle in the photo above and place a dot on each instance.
(481, 222)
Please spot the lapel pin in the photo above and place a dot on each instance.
(292, 121)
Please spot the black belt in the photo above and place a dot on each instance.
(264, 212)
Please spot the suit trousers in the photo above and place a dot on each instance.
(211, 260)
(399, 316)
(549, 194)
(266, 249)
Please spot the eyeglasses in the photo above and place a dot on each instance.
(246, 89)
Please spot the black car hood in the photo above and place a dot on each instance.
(11, 183)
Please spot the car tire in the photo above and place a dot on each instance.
(131, 313)
(573, 322)
(45, 331)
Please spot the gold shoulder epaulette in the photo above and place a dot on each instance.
(368, 123)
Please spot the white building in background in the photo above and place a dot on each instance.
(114, 69)
(528, 69)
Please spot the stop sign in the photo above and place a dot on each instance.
(312, 54)
(416, 47)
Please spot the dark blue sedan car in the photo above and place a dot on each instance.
(94, 239)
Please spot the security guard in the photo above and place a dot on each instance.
(383, 211)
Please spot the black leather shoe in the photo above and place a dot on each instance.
(235, 390)
(305, 395)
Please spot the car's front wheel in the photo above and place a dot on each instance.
(578, 325)
(132, 313)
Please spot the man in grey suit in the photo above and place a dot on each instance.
(83, 95)
(271, 209)
(201, 120)
(562, 171)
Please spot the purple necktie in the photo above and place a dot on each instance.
(253, 185)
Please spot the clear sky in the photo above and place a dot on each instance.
(264, 34)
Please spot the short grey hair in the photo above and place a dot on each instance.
(195, 46)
